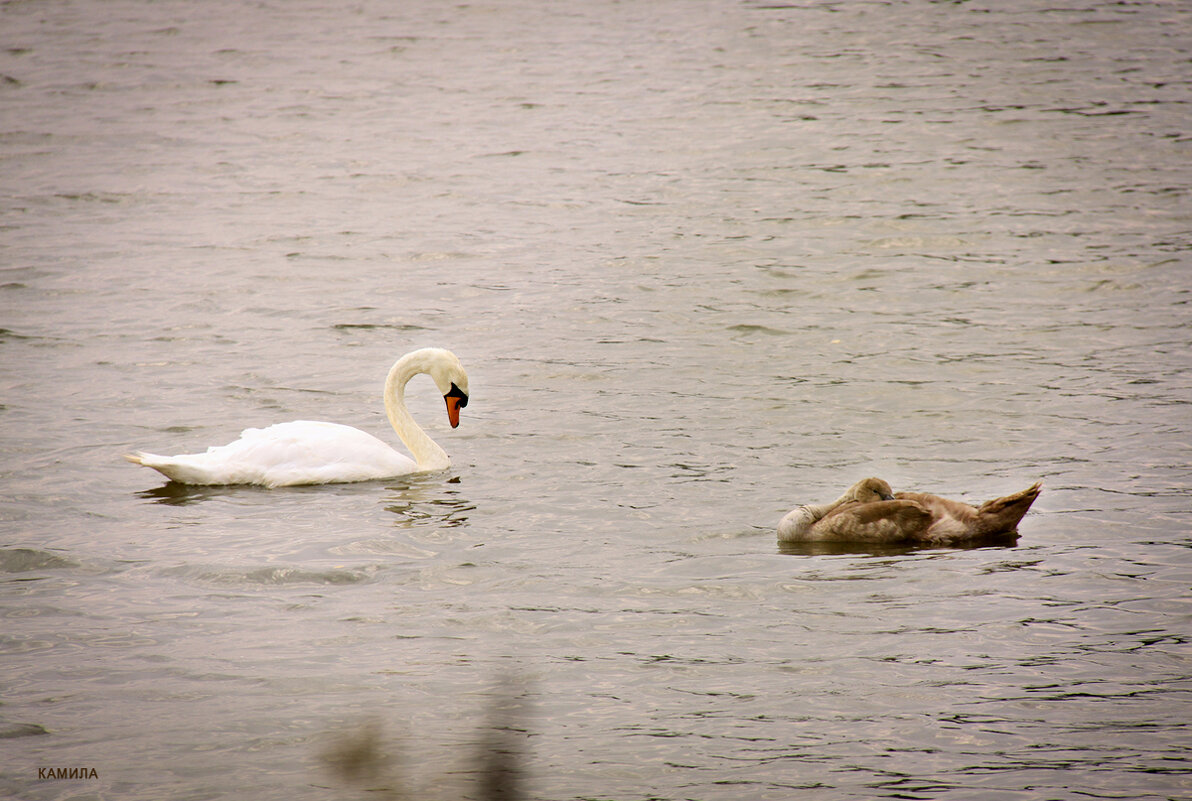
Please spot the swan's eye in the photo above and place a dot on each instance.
(456, 392)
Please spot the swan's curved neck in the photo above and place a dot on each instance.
(425, 450)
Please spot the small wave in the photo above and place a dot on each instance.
(277, 575)
(745, 328)
(11, 731)
(24, 560)
(295, 575)
(377, 327)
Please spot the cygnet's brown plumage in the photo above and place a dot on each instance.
(870, 512)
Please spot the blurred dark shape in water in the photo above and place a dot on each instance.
(362, 757)
(499, 756)
(358, 756)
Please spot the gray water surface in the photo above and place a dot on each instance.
(703, 261)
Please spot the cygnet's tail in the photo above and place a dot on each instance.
(1003, 514)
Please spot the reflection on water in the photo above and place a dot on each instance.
(427, 500)
(408, 493)
(1003, 540)
(174, 494)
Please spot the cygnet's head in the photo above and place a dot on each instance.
(868, 490)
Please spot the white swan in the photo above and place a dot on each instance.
(307, 452)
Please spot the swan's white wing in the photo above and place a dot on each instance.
(301, 452)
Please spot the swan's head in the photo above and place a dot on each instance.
(448, 374)
(869, 490)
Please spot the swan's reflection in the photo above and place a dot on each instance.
(415, 499)
(174, 494)
(423, 500)
(1007, 540)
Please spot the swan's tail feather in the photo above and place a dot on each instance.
(171, 467)
(1003, 514)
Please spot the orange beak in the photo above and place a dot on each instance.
(453, 404)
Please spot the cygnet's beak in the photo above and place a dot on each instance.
(456, 400)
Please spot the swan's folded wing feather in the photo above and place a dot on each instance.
(286, 454)
(879, 521)
(312, 452)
